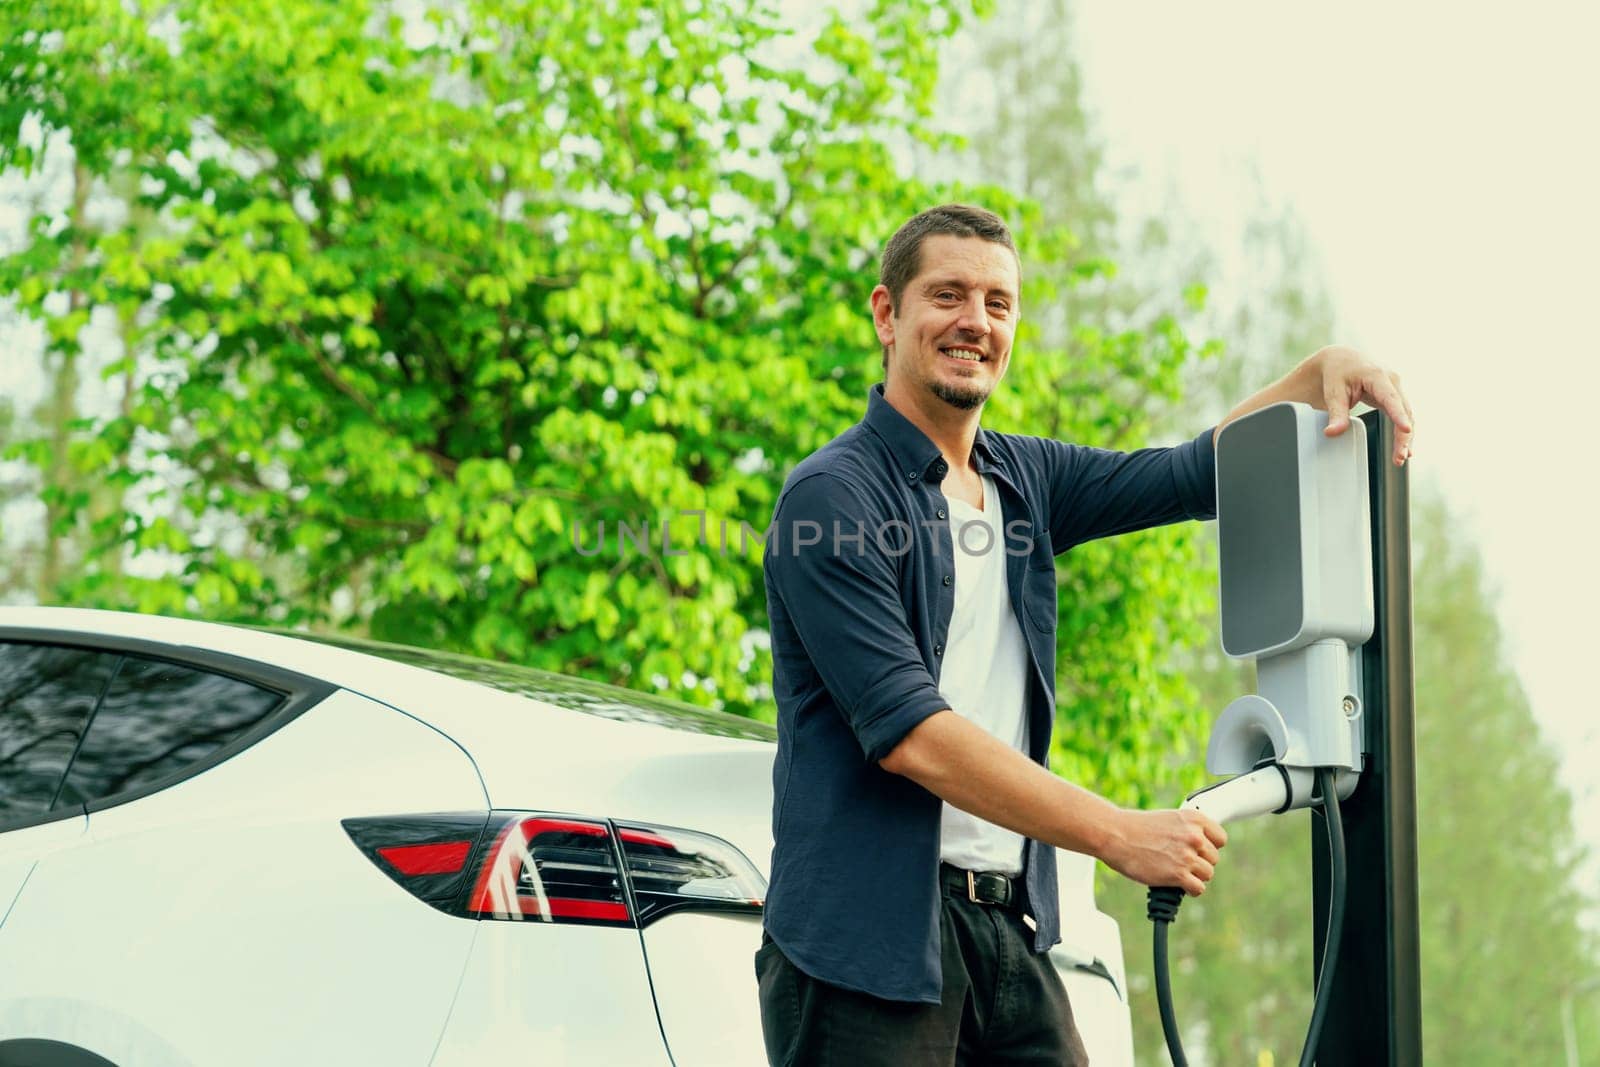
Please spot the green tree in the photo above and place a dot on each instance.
(438, 292)
(13, 485)
(76, 377)
(430, 296)
(1503, 937)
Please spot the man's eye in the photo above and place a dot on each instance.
(999, 305)
(947, 294)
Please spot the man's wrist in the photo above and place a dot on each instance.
(1308, 373)
(1108, 834)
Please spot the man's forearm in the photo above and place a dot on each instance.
(965, 766)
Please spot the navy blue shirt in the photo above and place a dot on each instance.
(860, 582)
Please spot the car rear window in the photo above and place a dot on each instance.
(47, 695)
(158, 718)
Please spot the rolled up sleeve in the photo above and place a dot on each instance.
(841, 599)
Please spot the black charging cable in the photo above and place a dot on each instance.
(1162, 908)
(1330, 946)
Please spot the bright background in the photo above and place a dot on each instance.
(1443, 159)
(375, 414)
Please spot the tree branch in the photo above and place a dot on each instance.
(447, 465)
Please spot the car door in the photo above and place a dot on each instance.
(47, 696)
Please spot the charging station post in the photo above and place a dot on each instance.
(1316, 589)
(1375, 1014)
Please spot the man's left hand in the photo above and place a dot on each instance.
(1349, 378)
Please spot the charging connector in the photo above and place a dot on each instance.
(1269, 789)
(1250, 794)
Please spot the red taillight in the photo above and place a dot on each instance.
(557, 868)
(427, 855)
(641, 837)
(550, 869)
(427, 859)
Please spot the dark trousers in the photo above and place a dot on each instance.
(1001, 1005)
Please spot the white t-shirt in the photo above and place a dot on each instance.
(985, 673)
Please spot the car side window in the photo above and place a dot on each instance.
(156, 719)
(47, 694)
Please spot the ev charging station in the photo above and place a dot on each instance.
(1316, 588)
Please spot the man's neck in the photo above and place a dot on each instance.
(950, 428)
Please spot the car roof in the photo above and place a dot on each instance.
(419, 681)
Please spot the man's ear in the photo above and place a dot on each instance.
(883, 315)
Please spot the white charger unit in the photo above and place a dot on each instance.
(1294, 523)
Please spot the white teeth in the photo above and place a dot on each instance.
(959, 354)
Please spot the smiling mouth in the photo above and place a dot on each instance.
(966, 355)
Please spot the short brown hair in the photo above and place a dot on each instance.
(902, 256)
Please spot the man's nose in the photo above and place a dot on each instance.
(974, 316)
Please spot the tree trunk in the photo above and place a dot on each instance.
(60, 407)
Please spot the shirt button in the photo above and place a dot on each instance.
(948, 579)
(938, 650)
(911, 476)
(939, 468)
(941, 513)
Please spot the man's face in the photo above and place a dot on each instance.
(951, 335)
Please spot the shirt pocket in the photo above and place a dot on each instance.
(1039, 596)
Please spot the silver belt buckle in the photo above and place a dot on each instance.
(972, 889)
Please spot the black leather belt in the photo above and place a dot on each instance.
(981, 887)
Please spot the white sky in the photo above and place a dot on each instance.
(1445, 160)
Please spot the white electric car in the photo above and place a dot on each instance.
(224, 847)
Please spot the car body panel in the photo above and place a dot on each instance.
(108, 951)
(549, 994)
(1101, 1015)
(1089, 961)
(22, 849)
(1092, 937)
(703, 969)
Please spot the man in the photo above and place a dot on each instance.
(912, 596)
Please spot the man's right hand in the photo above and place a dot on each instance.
(1177, 848)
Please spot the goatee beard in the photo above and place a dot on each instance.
(958, 398)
